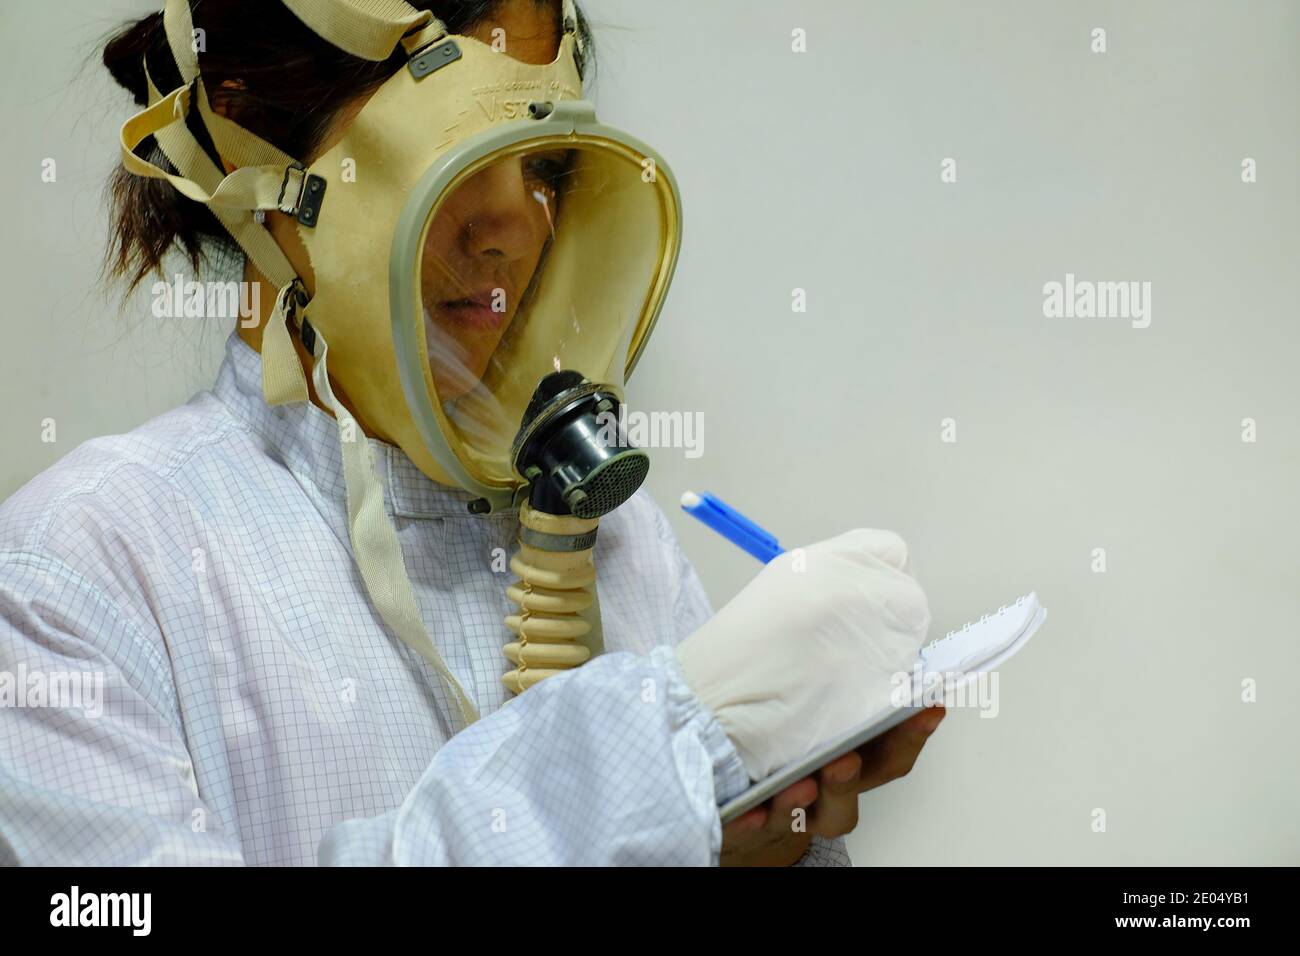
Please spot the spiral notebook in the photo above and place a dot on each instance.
(960, 656)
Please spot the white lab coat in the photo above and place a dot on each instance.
(240, 700)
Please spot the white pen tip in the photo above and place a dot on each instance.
(690, 499)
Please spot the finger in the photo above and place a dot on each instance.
(836, 810)
(783, 806)
(904, 599)
(885, 546)
(745, 825)
(834, 816)
(893, 754)
(840, 775)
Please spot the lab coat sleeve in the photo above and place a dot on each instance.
(692, 608)
(613, 763)
(824, 851)
(93, 766)
(616, 762)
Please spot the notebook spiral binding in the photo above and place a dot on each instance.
(984, 618)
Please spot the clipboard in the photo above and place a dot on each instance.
(951, 663)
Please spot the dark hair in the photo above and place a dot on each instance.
(265, 69)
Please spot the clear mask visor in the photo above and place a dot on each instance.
(547, 255)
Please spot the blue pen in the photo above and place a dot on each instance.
(732, 525)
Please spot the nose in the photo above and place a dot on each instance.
(501, 219)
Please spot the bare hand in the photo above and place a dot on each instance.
(767, 835)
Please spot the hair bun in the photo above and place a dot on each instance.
(124, 55)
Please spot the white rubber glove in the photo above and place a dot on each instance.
(801, 655)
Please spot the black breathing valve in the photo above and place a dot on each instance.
(573, 451)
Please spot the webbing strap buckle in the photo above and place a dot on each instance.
(308, 195)
(292, 208)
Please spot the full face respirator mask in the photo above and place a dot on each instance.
(487, 264)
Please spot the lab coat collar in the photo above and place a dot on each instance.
(307, 440)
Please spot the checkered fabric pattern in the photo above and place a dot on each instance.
(196, 674)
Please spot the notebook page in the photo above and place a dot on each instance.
(979, 643)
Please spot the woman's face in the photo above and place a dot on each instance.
(487, 238)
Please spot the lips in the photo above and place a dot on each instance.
(474, 311)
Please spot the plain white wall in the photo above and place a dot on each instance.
(821, 171)
(72, 351)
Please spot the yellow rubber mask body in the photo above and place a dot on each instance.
(494, 244)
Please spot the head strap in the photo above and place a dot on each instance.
(370, 29)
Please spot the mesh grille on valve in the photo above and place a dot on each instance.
(609, 486)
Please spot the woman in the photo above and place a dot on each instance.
(266, 689)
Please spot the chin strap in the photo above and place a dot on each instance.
(374, 538)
